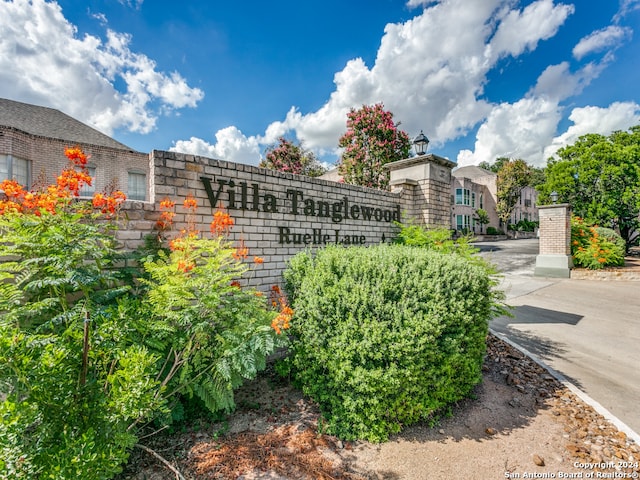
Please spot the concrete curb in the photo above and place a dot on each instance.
(619, 424)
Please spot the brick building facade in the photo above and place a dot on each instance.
(32, 143)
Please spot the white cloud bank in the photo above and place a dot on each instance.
(431, 72)
(77, 75)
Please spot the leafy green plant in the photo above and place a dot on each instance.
(523, 226)
(216, 333)
(86, 359)
(595, 247)
(71, 380)
(386, 336)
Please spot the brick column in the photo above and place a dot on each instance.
(554, 258)
(425, 181)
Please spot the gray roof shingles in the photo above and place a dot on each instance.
(51, 123)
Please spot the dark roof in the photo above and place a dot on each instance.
(52, 123)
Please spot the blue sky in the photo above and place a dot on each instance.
(483, 79)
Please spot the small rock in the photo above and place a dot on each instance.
(441, 432)
(339, 445)
(491, 431)
(538, 460)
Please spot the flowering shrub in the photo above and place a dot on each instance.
(372, 140)
(218, 334)
(290, 158)
(88, 355)
(595, 247)
(386, 336)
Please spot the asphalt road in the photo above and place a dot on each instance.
(587, 330)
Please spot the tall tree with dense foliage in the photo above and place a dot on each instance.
(291, 158)
(513, 176)
(372, 140)
(600, 177)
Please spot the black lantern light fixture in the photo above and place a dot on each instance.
(420, 143)
(554, 197)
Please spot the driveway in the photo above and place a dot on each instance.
(588, 330)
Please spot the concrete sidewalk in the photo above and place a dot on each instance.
(587, 330)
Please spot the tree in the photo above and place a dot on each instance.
(600, 177)
(495, 166)
(291, 158)
(482, 216)
(513, 176)
(371, 141)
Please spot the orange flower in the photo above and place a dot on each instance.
(282, 320)
(9, 206)
(241, 252)
(258, 260)
(185, 267)
(167, 204)
(235, 284)
(76, 156)
(11, 188)
(222, 223)
(190, 203)
(73, 180)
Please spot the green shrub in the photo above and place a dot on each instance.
(595, 247)
(523, 226)
(494, 231)
(386, 336)
(438, 239)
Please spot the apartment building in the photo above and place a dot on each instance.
(475, 188)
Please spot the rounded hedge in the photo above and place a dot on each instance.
(386, 336)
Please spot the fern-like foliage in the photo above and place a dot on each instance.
(222, 333)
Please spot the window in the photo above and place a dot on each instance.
(137, 186)
(463, 222)
(463, 196)
(17, 169)
(481, 202)
(89, 190)
(473, 199)
(527, 202)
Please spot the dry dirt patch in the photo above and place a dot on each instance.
(521, 423)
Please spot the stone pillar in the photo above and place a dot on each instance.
(554, 258)
(425, 181)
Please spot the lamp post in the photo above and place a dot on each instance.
(554, 197)
(420, 143)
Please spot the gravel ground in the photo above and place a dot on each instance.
(521, 423)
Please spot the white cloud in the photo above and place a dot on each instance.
(626, 7)
(77, 75)
(617, 116)
(518, 130)
(135, 4)
(525, 128)
(231, 144)
(520, 31)
(605, 39)
(557, 81)
(430, 71)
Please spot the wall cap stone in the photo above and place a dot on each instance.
(419, 160)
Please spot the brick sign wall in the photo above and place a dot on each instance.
(276, 214)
